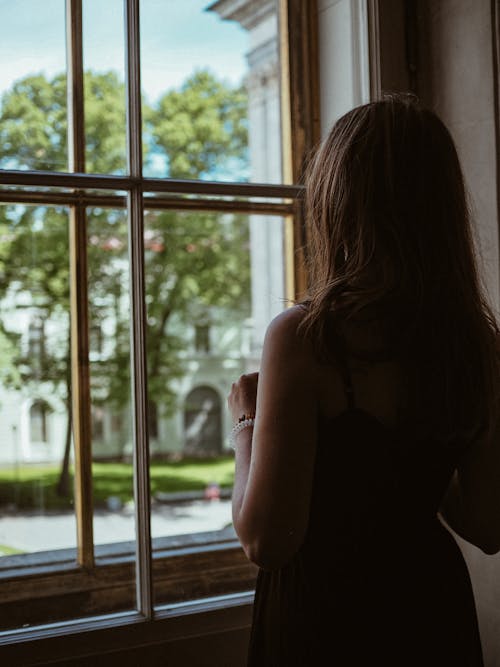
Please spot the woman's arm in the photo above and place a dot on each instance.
(274, 463)
(471, 506)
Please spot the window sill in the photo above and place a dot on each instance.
(49, 587)
(125, 632)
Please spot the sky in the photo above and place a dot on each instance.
(177, 36)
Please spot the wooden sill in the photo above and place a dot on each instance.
(49, 587)
(128, 635)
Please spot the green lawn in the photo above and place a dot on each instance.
(5, 550)
(35, 486)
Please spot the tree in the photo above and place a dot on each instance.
(33, 124)
(202, 128)
(34, 278)
(192, 259)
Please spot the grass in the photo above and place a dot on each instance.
(5, 550)
(34, 487)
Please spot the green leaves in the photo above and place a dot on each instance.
(105, 133)
(200, 127)
(33, 124)
(9, 374)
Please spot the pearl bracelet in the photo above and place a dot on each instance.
(244, 423)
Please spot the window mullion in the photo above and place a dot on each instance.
(286, 147)
(79, 293)
(149, 185)
(300, 121)
(138, 324)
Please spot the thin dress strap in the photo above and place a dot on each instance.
(345, 371)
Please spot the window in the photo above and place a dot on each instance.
(95, 341)
(169, 185)
(39, 412)
(153, 419)
(97, 424)
(202, 422)
(202, 337)
(36, 340)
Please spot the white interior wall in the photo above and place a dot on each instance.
(457, 81)
(456, 53)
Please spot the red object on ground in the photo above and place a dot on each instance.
(212, 492)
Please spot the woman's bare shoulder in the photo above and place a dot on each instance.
(285, 327)
(288, 321)
(286, 341)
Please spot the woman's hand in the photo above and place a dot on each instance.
(242, 398)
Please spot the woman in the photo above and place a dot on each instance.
(375, 413)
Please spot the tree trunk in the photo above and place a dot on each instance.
(63, 485)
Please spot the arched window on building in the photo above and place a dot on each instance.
(39, 428)
(202, 423)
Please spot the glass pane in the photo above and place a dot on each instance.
(36, 490)
(38, 524)
(210, 79)
(211, 291)
(33, 85)
(111, 427)
(104, 87)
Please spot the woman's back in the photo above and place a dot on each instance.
(376, 571)
(377, 384)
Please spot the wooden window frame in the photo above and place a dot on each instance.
(96, 572)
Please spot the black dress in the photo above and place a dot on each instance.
(378, 579)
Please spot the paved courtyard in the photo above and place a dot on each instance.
(31, 532)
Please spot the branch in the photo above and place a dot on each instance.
(160, 330)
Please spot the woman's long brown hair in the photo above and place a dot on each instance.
(390, 242)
